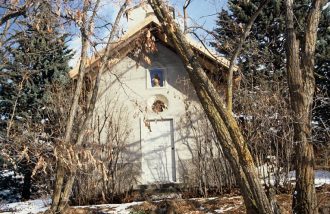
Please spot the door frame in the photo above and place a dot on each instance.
(142, 140)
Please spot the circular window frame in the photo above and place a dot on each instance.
(160, 100)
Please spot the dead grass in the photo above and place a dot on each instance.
(190, 206)
(223, 204)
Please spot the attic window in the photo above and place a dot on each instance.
(156, 78)
(158, 106)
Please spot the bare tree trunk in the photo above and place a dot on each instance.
(225, 126)
(300, 72)
(185, 15)
(57, 198)
(62, 190)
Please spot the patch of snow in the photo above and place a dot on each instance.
(19, 117)
(224, 209)
(327, 5)
(118, 208)
(281, 37)
(123, 208)
(272, 129)
(314, 122)
(242, 116)
(8, 173)
(260, 67)
(321, 176)
(203, 199)
(32, 206)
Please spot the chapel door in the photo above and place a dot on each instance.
(158, 162)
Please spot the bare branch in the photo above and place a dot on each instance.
(246, 33)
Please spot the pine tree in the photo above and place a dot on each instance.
(38, 61)
(264, 52)
(267, 34)
(264, 55)
(322, 63)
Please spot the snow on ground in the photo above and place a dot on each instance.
(10, 186)
(40, 205)
(326, 6)
(9, 173)
(224, 209)
(321, 176)
(122, 208)
(111, 208)
(32, 206)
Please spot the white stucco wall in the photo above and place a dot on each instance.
(124, 90)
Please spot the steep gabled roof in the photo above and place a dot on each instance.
(123, 46)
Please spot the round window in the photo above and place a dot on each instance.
(157, 103)
(158, 106)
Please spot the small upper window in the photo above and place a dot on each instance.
(156, 78)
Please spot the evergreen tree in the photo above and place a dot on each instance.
(39, 58)
(263, 53)
(37, 61)
(322, 63)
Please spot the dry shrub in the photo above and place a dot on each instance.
(107, 173)
(207, 172)
(266, 122)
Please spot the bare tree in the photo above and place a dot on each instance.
(224, 125)
(15, 9)
(300, 72)
(185, 14)
(63, 189)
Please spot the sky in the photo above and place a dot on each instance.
(201, 12)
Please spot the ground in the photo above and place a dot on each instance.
(230, 204)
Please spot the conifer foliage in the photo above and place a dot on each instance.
(34, 67)
(38, 58)
(264, 51)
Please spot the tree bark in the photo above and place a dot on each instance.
(300, 74)
(225, 126)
